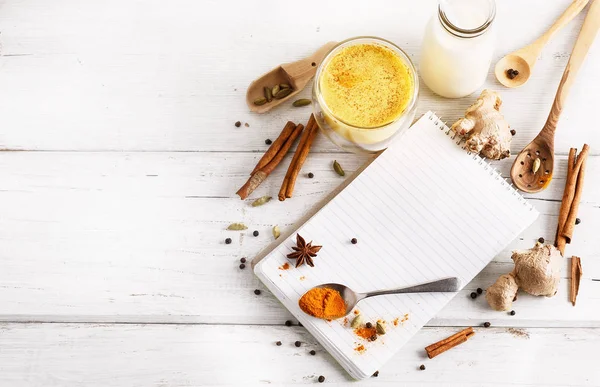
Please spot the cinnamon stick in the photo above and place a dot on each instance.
(571, 197)
(450, 342)
(567, 230)
(576, 273)
(275, 146)
(259, 176)
(566, 201)
(287, 187)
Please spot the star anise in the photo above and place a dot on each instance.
(304, 252)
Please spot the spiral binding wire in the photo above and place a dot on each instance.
(481, 160)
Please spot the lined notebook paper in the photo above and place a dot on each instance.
(423, 210)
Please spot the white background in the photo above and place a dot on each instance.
(118, 174)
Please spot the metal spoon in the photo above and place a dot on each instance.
(351, 298)
(523, 174)
(524, 59)
(296, 74)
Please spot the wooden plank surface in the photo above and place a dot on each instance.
(68, 355)
(140, 237)
(81, 75)
(114, 213)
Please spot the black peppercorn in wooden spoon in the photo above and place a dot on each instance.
(526, 173)
(514, 69)
(296, 74)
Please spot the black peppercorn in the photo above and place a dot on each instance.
(373, 338)
(227, 241)
(278, 343)
(288, 323)
(242, 266)
(512, 312)
(243, 260)
(255, 233)
(473, 295)
(577, 220)
(511, 73)
(376, 374)
(354, 241)
(479, 290)
(297, 343)
(369, 325)
(321, 379)
(422, 367)
(513, 132)
(257, 291)
(487, 324)
(541, 240)
(311, 175)
(268, 141)
(238, 124)
(313, 352)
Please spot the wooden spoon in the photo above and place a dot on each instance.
(524, 60)
(296, 74)
(542, 147)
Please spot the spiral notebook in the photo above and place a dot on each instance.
(423, 210)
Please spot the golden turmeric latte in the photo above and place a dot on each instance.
(323, 303)
(366, 85)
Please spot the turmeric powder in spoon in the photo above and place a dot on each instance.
(323, 303)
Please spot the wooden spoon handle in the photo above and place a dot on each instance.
(535, 48)
(590, 27)
(303, 70)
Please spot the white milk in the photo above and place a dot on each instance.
(458, 47)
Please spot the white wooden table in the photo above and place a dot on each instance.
(118, 171)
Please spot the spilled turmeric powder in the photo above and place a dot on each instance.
(366, 333)
(323, 303)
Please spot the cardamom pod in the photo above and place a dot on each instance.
(536, 165)
(260, 101)
(237, 227)
(284, 86)
(276, 232)
(338, 168)
(356, 321)
(380, 328)
(275, 89)
(268, 94)
(282, 93)
(260, 201)
(301, 102)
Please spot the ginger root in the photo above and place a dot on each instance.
(486, 131)
(537, 272)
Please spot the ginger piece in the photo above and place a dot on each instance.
(484, 127)
(537, 272)
(502, 293)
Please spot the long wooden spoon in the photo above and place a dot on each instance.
(524, 60)
(296, 74)
(526, 174)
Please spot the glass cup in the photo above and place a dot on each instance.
(357, 139)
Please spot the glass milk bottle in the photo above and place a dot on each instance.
(458, 46)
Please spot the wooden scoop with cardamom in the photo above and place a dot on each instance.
(284, 81)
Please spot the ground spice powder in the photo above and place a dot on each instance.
(323, 303)
(365, 332)
(285, 266)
